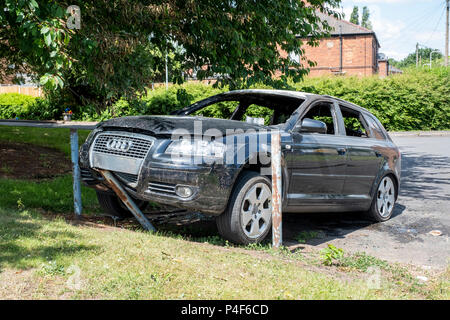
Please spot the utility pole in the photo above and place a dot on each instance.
(167, 74)
(341, 50)
(417, 54)
(446, 34)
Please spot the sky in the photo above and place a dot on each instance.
(400, 24)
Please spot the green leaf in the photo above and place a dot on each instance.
(48, 39)
(33, 4)
(44, 79)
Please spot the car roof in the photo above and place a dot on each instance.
(349, 104)
(291, 94)
(268, 92)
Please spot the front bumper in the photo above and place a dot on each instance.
(211, 187)
(156, 181)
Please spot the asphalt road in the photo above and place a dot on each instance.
(423, 206)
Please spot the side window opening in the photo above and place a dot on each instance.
(354, 122)
(322, 112)
(375, 130)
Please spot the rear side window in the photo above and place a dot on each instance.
(355, 124)
(375, 130)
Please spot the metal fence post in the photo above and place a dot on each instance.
(76, 171)
(277, 236)
(127, 200)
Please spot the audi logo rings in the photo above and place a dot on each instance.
(119, 145)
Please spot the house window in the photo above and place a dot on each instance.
(294, 57)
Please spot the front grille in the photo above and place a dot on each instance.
(127, 177)
(162, 188)
(138, 149)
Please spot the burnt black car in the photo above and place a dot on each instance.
(336, 157)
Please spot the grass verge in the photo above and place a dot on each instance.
(51, 258)
(54, 195)
(45, 137)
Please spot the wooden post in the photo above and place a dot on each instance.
(277, 235)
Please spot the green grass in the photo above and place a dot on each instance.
(5, 169)
(362, 261)
(54, 195)
(52, 138)
(115, 263)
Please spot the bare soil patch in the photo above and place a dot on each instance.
(27, 161)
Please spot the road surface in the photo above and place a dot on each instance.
(423, 206)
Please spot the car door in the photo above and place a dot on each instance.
(316, 162)
(363, 159)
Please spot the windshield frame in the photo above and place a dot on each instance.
(245, 99)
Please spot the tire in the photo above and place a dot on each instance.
(248, 217)
(114, 207)
(383, 201)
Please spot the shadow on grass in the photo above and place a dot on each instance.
(24, 244)
(298, 228)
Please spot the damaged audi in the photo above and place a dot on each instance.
(336, 157)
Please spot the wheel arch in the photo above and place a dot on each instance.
(252, 163)
(380, 177)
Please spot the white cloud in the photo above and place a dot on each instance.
(397, 36)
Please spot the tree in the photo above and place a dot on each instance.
(121, 45)
(365, 19)
(424, 56)
(354, 17)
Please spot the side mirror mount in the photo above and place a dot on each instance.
(311, 126)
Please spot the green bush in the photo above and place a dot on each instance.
(415, 100)
(158, 101)
(14, 105)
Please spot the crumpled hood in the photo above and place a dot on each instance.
(166, 125)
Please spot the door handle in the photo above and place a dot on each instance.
(341, 151)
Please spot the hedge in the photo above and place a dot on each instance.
(416, 100)
(15, 105)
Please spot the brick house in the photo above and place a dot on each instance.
(350, 50)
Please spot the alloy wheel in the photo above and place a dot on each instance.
(256, 210)
(385, 197)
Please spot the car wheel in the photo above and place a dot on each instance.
(383, 201)
(113, 206)
(248, 218)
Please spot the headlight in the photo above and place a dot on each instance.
(196, 148)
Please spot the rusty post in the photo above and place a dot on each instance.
(277, 236)
(127, 201)
(76, 172)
